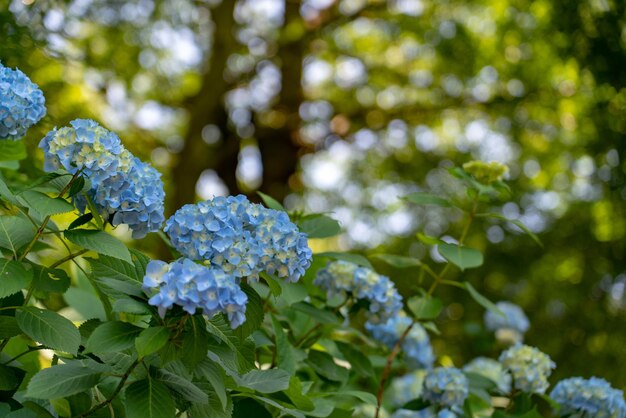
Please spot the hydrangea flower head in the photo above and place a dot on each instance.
(139, 202)
(446, 386)
(513, 318)
(194, 286)
(416, 347)
(22, 104)
(342, 278)
(406, 388)
(492, 370)
(122, 186)
(593, 397)
(529, 367)
(241, 237)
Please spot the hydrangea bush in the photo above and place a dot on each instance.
(242, 319)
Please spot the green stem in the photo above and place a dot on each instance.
(30, 350)
(67, 258)
(115, 392)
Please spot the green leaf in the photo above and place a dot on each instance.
(349, 257)
(215, 376)
(427, 199)
(482, 301)
(319, 226)
(151, 340)
(63, 380)
(428, 240)
(359, 361)
(131, 306)
(44, 204)
(284, 350)
(50, 280)
(182, 386)
(78, 185)
(149, 398)
(273, 283)
(15, 232)
(324, 365)
(294, 392)
(462, 257)
(12, 150)
(10, 377)
(265, 381)
(6, 193)
(81, 220)
(366, 397)
(9, 327)
(425, 307)
(195, 342)
(13, 277)
(320, 315)
(119, 278)
(100, 242)
(398, 261)
(254, 313)
(112, 337)
(270, 202)
(49, 328)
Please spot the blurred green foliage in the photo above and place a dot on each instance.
(392, 94)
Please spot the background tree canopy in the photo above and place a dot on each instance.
(344, 105)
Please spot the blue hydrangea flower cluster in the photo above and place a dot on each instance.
(342, 278)
(123, 186)
(416, 347)
(21, 103)
(424, 413)
(492, 370)
(595, 397)
(446, 386)
(241, 237)
(194, 286)
(514, 318)
(406, 388)
(529, 367)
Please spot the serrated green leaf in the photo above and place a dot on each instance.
(265, 381)
(349, 257)
(324, 365)
(462, 257)
(10, 377)
(49, 328)
(112, 337)
(270, 202)
(44, 204)
(397, 261)
(195, 341)
(151, 340)
(9, 327)
(149, 398)
(294, 392)
(481, 300)
(15, 232)
(12, 150)
(13, 277)
(215, 376)
(254, 313)
(421, 198)
(182, 386)
(273, 283)
(131, 306)
(319, 226)
(425, 307)
(284, 350)
(63, 380)
(50, 280)
(6, 194)
(100, 242)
